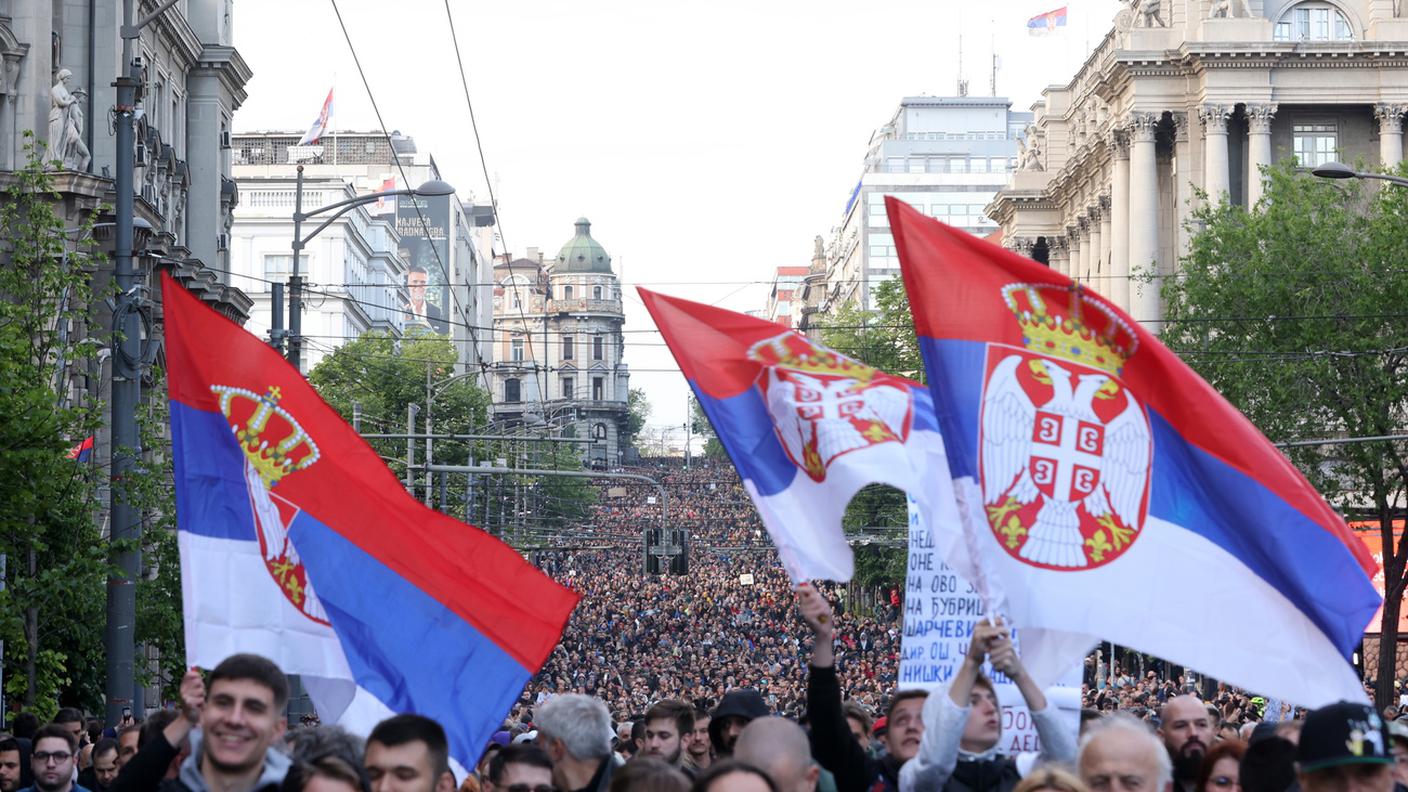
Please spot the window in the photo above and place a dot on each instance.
(513, 390)
(569, 388)
(1315, 144)
(517, 303)
(598, 389)
(596, 292)
(938, 165)
(958, 165)
(894, 164)
(567, 344)
(998, 165)
(598, 347)
(916, 165)
(278, 268)
(980, 165)
(516, 350)
(1315, 21)
(567, 292)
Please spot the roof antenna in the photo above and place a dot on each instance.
(962, 83)
(992, 39)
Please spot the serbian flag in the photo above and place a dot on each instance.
(297, 543)
(83, 451)
(806, 427)
(384, 204)
(1047, 23)
(1114, 492)
(320, 124)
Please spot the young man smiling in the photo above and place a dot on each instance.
(231, 751)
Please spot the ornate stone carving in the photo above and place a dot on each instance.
(1104, 202)
(1118, 142)
(1390, 117)
(1030, 156)
(1214, 118)
(1149, 13)
(1223, 9)
(1057, 245)
(1259, 118)
(1093, 212)
(1022, 245)
(66, 124)
(1142, 127)
(1180, 127)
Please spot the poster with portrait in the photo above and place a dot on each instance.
(423, 223)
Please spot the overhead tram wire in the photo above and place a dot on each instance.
(424, 223)
(498, 222)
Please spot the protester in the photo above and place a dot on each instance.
(325, 773)
(9, 764)
(127, 743)
(959, 751)
(733, 776)
(99, 776)
(408, 753)
(54, 759)
(832, 743)
(1221, 767)
(1186, 729)
(233, 750)
(648, 774)
(699, 751)
(519, 768)
(1051, 779)
(1344, 747)
(1119, 753)
(668, 725)
(575, 731)
(779, 748)
(737, 709)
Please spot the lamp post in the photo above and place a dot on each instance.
(430, 394)
(1339, 170)
(431, 189)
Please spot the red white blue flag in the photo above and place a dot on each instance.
(299, 544)
(320, 124)
(806, 427)
(1114, 492)
(1047, 23)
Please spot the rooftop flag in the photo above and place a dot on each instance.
(320, 124)
(1047, 23)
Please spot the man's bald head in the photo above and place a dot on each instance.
(779, 748)
(1186, 729)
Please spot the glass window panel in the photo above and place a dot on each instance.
(958, 165)
(916, 165)
(980, 165)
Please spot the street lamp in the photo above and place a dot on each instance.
(434, 188)
(1339, 170)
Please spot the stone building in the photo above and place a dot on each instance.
(1185, 95)
(558, 346)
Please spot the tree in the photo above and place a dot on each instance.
(637, 411)
(700, 425)
(51, 610)
(1292, 312)
(376, 377)
(882, 337)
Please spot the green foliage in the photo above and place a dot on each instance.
(637, 411)
(52, 609)
(1293, 312)
(700, 425)
(877, 519)
(883, 337)
(160, 624)
(382, 376)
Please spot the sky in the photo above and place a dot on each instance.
(708, 143)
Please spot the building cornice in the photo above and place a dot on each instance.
(230, 67)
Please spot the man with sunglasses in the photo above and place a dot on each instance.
(520, 768)
(53, 760)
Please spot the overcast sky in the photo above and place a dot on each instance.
(708, 143)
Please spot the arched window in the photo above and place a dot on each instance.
(567, 292)
(596, 292)
(513, 390)
(1314, 21)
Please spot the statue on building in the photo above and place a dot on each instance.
(1226, 9)
(1030, 155)
(1149, 14)
(66, 124)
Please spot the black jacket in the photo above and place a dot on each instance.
(999, 774)
(833, 745)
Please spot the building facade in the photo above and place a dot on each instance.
(354, 269)
(785, 297)
(436, 275)
(559, 348)
(946, 156)
(1187, 95)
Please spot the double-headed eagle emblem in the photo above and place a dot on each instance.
(824, 404)
(1065, 445)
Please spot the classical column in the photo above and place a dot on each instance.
(1259, 149)
(1096, 265)
(1145, 305)
(1078, 249)
(1119, 219)
(1182, 184)
(1215, 178)
(1390, 133)
(1102, 282)
(1082, 275)
(1056, 253)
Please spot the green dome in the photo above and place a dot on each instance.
(582, 253)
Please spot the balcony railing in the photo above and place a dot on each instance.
(584, 306)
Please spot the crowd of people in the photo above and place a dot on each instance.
(727, 679)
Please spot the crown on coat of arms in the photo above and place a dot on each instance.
(793, 351)
(1093, 334)
(270, 438)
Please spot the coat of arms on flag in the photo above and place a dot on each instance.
(824, 404)
(1065, 446)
